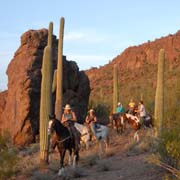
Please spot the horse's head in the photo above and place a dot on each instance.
(51, 126)
(54, 124)
(113, 118)
(126, 118)
(110, 117)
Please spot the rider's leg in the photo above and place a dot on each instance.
(76, 135)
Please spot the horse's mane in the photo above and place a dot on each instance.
(59, 128)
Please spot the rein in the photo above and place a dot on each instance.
(63, 139)
(84, 134)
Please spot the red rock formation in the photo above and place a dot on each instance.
(20, 109)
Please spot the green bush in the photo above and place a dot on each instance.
(169, 147)
(8, 157)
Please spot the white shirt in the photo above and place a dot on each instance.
(142, 110)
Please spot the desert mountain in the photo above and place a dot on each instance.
(137, 69)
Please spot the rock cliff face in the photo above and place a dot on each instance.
(137, 70)
(19, 106)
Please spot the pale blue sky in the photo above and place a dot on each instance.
(96, 31)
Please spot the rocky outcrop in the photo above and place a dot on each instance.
(20, 108)
(3, 96)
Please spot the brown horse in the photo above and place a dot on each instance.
(64, 142)
(118, 120)
(134, 122)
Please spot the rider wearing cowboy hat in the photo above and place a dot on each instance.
(68, 119)
(68, 114)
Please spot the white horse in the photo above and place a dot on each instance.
(101, 133)
(85, 134)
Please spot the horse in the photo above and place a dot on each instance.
(64, 142)
(85, 134)
(118, 120)
(148, 121)
(101, 133)
(135, 123)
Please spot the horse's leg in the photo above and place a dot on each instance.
(136, 136)
(70, 156)
(87, 145)
(106, 143)
(122, 124)
(75, 157)
(100, 142)
(62, 154)
(117, 126)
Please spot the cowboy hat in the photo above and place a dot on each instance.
(67, 107)
(91, 110)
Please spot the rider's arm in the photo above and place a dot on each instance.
(87, 119)
(95, 119)
(74, 117)
(63, 119)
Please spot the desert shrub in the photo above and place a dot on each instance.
(8, 157)
(169, 147)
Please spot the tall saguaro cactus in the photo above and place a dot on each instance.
(59, 88)
(159, 98)
(115, 87)
(46, 97)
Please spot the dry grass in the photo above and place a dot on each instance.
(145, 144)
(103, 165)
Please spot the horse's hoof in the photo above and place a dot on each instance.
(61, 171)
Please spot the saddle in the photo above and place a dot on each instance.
(98, 127)
(147, 118)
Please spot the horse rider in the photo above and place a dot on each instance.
(119, 108)
(142, 112)
(68, 120)
(131, 107)
(91, 121)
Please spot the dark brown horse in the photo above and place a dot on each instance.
(64, 142)
(118, 121)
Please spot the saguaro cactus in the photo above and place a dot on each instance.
(46, 97)
(159, 98)
(59, 89)
(115, 88)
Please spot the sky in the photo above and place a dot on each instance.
(96, 31)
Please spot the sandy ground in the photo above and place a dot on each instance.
(124, 160)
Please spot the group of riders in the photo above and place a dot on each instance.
(133, 109)
(69, 118)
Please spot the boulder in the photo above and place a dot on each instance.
(19, 106)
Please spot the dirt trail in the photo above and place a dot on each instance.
(124, 160)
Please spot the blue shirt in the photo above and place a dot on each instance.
(120, 109)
